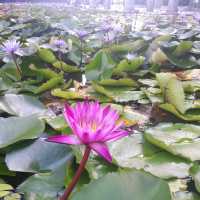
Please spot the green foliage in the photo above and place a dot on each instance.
(135, 152)
(126, 47)
(46, 55)
(65, 67)
(100, 67)
(125, 185)
(6, 192)
(183, 48)
(195, 171)
(39, 156)
(45, 73)
(66, 94)
(21, 105)
(180, 62)
(140, 72)
(44, 186)
(174, 94)
(50, 84)
(192, 116)
(128, 66)
(178, 139)
(14, 129)
(120, 82)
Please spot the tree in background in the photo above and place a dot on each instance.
(150, 5)
(129, 5)
(193, 4)
(107, 4)
(158, 4)
(173, 6)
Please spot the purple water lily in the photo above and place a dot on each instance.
(197, 17)
(81, 34)
(109, 37)
(117, 28)
(60, 43)
(130, 56)
(92, 126)
(106, 27)
(11, 46)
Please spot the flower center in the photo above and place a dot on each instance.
(94, 126)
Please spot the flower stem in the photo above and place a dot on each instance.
(81, 61)
(17, 66)
(61, 62)
(77, 175)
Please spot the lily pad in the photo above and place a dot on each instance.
(119, 82)
(14, 129)
(175, 94)
(39, 156)
(195, 172)
(181, 62)
(44, 186)
(182, 48)
(125, 185)
(135, 152)
(192, 116)
(21, 105)
(100, 67)
(47, 55)
(179, 139)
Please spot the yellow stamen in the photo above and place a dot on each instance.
(94, 126)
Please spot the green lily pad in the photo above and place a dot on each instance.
(135, 152)
(186, 196)
(66, 94)
(39, 156)
(44, 186)
(65, 67)
(10, 70)
(191, 86)
(14, 129)
(182, 48)
(50, 84)
(57, 122)
(46, 55)
(183, 62)
(118, 94)
(126, 186)
(192, 116)
(179, 139)
(119, 82)
(100, 67)
(175, 95)
(129, 66)
(21, 105)
(195, 172)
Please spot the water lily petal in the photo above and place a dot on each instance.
(115, 136)
(105, 129)
(64, 139)
(78, 111)
(68, 111)
(77, 130)
(102, 150)
(92, 125)
(68, 114)
(106, 110)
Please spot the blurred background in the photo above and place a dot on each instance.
(172, 6)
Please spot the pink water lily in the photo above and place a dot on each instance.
(93, 125)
